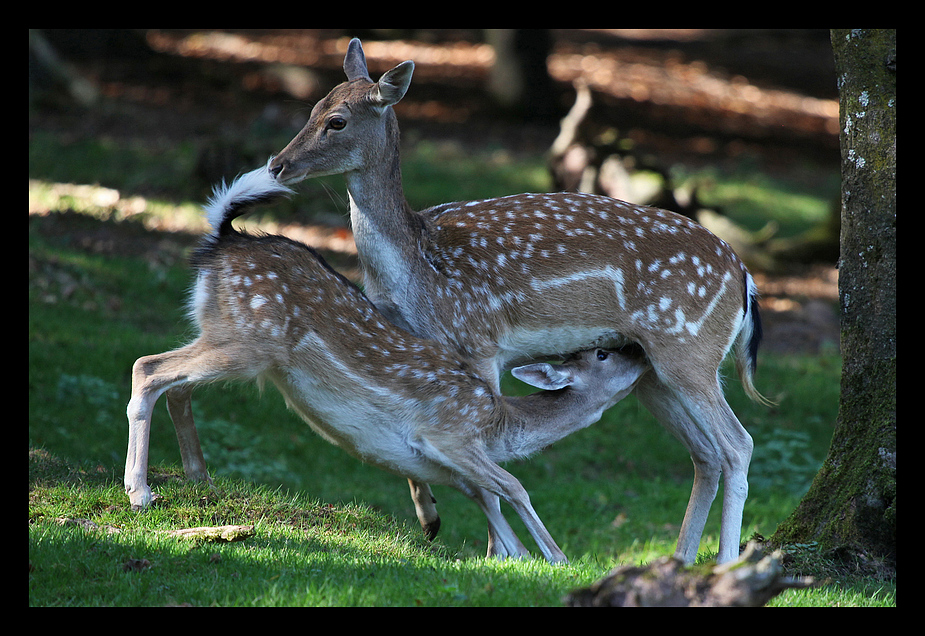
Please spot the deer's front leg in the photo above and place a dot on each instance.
(180, 407)
(140, 408)
(424, 507)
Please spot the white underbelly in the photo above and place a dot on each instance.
(521, 345)
(376, 427)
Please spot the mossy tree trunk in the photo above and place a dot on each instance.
(852, 502)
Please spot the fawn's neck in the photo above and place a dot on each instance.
(535, 421)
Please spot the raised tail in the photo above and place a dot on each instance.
(747, 342)
(228, 202)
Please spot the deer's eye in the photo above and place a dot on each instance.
(602, 355)
(337, 123)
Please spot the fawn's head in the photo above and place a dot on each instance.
(598, 371)
(350, 127)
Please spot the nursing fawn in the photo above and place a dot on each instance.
(269, 308)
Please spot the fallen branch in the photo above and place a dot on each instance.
(750, 581)
(215, 533)
(202, 533)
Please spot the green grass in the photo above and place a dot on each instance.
(437, 173)
(752, 198)
(303, 553)
(612, 494)
(330, 530)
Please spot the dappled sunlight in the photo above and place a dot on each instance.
(710, 97)
(108, 204)
(695, 87)
(312, 49)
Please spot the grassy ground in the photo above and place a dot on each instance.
(330, 530)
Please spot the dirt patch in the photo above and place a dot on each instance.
(800, 311)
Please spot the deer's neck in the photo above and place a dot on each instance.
(388, 233)
(379, 214)
(536, 421)
(377, 199)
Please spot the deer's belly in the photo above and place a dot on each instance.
(522, 345)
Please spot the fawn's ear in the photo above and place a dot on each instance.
(544, 375)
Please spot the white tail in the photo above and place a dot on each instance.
(270, 308)
(515, 278)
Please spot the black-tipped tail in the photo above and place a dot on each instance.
(757, 333)
(228, 202)
(747, 343)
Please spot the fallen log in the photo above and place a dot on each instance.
(750, 581)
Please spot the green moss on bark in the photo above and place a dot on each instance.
(852, 501)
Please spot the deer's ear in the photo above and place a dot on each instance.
(355, 62)
(393, 85)
(543, 375)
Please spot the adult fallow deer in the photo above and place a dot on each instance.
(523, 277)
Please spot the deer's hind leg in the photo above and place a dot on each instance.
(719, 447)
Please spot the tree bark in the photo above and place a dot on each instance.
(852, 502)
(519, 80)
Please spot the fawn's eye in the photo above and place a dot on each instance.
(337, 123)
(602, 355)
